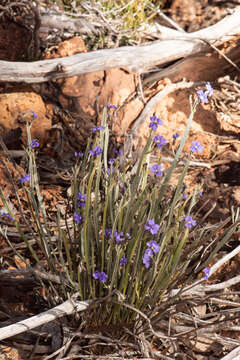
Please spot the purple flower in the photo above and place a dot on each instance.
(111, 106)
(185, 196)
(154, 246)
(96, 151)
(34, 144)
(81, 200)
(189, 222)
(196, 147)
(202, 96)
(155, 121)
(34, 114)
(159, 140)
(206, 272)
(118, 152)
(123, 261)
(108, 233)
(152, 227)
(200, 194)
(24, 179)
(7, 215)
(109, 171)
(111, 161)
(118, 237)
(156, 169)
(101, 276)
(147, 257)
(175, 136)
(78, 154)
(209, 89)
(78, 218)
(97, 128)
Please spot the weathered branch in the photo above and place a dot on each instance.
(137, 59)
(66, 308)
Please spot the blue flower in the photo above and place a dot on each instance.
(78, 218)
(81, 200)
(97, 128)
(101, 276)
(7, 215)
(196, 147)
(154, 246)
(200, 194)
(34, 114)
(152, 227)
(156, 169)
(78, 154)
(34, 144)
(118, 152)
(127, 236)
(202, 96)
(96, 151)
(155, 121)
(209, 89)
(147, 257)
(118, 236)
(111, 161)
(159, 140)
(111, 106)
(109, 171)
(206, 272)
(175, 136)
(108, 233)
(189, 222)
(24, 179)
(123, 261)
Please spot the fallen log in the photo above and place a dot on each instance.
(138, 59)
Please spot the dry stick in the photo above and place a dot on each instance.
(233, 355)
(136, 59)
(66, 308)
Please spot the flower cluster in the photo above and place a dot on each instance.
(33, 114)
(207, 273)
(203, 95)
(159, 141)
(97, 128)
(196, 147)
(108, 233)
(155, 121)
(175, 136)
(100, 275)
(157, 169)
(111, 106)
(123, 260)
(118, 237)
(152, 227)
(78, 218)
(96, 151)
(153, 248)
(81, 198)
(78, 154)
(189, 222)
(34, 144)
(6, 215)
(24, 179)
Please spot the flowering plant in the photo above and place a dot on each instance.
(132, 239)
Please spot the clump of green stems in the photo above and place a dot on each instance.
(88, 258)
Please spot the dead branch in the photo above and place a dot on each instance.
(67, 308)
(138, 59)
